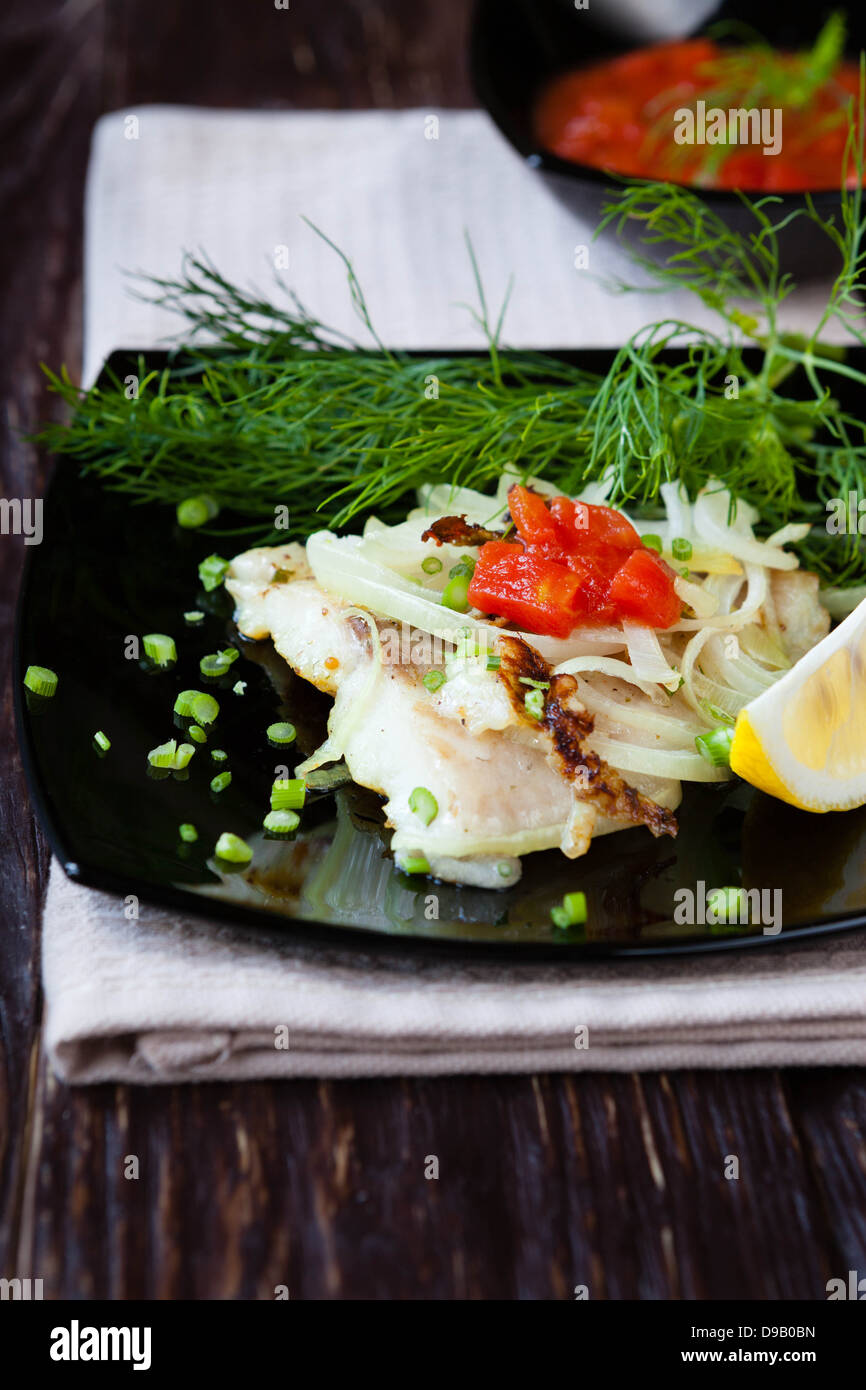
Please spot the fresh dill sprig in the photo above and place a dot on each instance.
(788, 452)
(756, 73)
(261, 405)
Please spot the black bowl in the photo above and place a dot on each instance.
(517, 46)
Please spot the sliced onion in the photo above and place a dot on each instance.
(699, 599)
(738, 673)
(647, 658)
(711, 525)
(659, 762)
(340, 566)
(635, 714)
(678, 508)
(608, 666)
(441, 499)
(763, 647)
(729, 701)
(596, 494)
(757, 590)
(786, 535)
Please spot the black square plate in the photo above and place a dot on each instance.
(106, 571)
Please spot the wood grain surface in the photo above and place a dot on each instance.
(545, 1183)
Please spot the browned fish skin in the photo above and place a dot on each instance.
(568, 724)
(456, 530)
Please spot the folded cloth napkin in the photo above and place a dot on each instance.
(169, 998)
(398, 192)
(173, 998)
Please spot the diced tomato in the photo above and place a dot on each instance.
(563, 511)
(611, 528)
(528, 588)
(574, 565)
(643, 590)
(531, 517)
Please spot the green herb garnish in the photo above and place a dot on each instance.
(341, 431)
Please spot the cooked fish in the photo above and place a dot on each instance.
(504, 784)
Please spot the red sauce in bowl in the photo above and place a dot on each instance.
(621, 115)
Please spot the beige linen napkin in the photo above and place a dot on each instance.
(395, 199)
(172, 998)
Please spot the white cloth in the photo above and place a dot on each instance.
(171, 998)
(236, 185)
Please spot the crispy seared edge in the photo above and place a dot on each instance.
(456, 530)
(568, 724)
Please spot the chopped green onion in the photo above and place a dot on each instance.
(239, 687)
(536, 685)
(494, 663)
(40, 680)
(219, 755)
(281, 822)
(212, 666)
(193, 616)
(424, 804)
(571, 912)
(160, 648)
(218, 663)
(681, 549)
(465, 566)
(195, 511)
(212, 572)
(288, 794)
(534, 703)
(414, 864)
(102, 740)
(729, 904)
(575, 906)
(653, 542)
(716, 746)
(220, 782)
(504, 869)
(432, 564)
(171, 754)
(204, 709)
(196, 734)
(187, 832)
(164, 754)
(282, 733)
(185, 701)
(433, 680)
(456, 593)
(233, 848)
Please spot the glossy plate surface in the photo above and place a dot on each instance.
(106, 572)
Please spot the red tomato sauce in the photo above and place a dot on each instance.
(620, 115)
(571, 565)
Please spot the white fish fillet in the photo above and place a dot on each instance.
(498, 792)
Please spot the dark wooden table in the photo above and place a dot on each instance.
(545, 1182)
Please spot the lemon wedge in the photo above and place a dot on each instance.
(804, 739)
